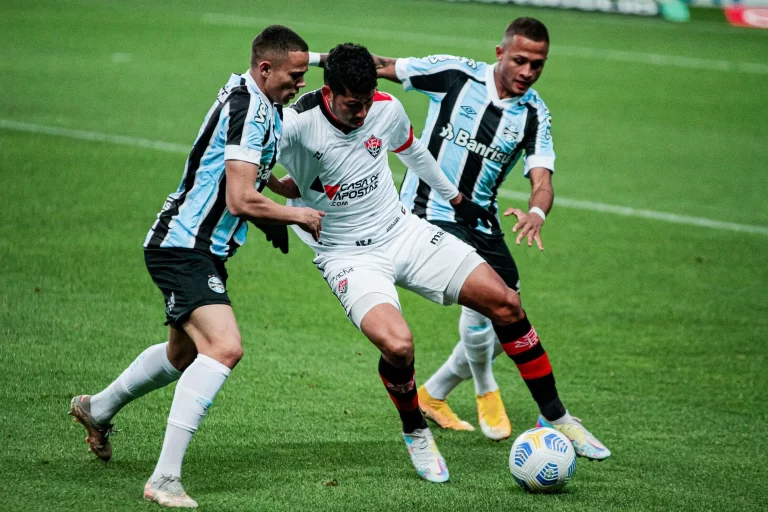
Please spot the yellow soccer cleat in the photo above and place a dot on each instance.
(440, 412)
(492, 417)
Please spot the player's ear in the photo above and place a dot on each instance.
(265, 67)
(327, 93)
(499, 52)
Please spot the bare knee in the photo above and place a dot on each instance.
(507, 309)
(228, 351)
(398, 350)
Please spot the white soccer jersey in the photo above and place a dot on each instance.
(345, 172)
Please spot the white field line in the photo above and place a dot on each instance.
(561, 202)
(654, 59)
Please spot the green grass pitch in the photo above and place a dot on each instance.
(656, 330)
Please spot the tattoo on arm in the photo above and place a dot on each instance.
(383, 62)
(385, 68)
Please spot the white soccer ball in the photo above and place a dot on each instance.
(542, 460)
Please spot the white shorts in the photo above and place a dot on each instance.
(421, 258)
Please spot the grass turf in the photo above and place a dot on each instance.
(656, 331)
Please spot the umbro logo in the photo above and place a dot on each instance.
(468, 112)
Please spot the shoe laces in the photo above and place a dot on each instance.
(420, 449)
(170, 484)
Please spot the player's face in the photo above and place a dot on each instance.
(521, 62)
(349, 108)
(286, 77)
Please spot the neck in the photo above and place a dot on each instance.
(260, 82)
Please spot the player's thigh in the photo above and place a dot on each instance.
(433, 263)
(360, 281)
(385, 326)
(486, 292)
(492, 248)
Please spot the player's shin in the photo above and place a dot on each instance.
(401, 386)
(521, 343)
(150, 371)
(479, 339)
(194, 395)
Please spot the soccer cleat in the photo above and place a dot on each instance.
(492, 417)
(585, 444)
(425, 456)
(97, 435)
(167, 491)
(440, 412)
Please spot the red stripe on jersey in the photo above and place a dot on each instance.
(539, 367)
(407, 143)
(381, 96)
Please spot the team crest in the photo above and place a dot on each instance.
(373, 145)
(215, 284)
(509, 133)
(343, 286)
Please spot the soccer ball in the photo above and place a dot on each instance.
(542, 460)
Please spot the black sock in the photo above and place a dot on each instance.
(401, 386)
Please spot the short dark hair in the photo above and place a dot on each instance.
(276, 39)
(529, 28)
(350, 67)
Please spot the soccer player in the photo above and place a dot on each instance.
(481, 119)
(199, 227)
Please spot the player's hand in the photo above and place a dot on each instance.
(472, 213)
(277, 234)
(529, 224)
(310, 220)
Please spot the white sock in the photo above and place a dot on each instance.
(150, 371)
(194, 395)
(453, 372)
(479, 340)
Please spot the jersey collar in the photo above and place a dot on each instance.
(255, 88)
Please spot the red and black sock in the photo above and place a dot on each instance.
(401, 386)
(521, 343)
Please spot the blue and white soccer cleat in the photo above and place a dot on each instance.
(425, 456)
(585, 444)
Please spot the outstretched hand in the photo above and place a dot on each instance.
(529, 224)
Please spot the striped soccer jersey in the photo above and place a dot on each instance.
(242, 124)
(475, 137)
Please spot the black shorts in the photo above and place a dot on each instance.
(491, 248)
(188, 278)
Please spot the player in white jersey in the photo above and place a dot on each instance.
(199, 227)
(333, 148)
(481, 119)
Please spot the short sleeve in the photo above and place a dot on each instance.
(248, 122)
(539, 150)
(434, 75)
(402, 132)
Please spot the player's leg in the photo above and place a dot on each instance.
(214, 331)
(156, 367)
(379, 318)
(434, 393)
(485, 292)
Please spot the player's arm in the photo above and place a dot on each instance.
(244, 201)
(418, 159)
(284, 186)
(539, 166)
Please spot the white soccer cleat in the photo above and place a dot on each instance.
(166, 490)
(425, 456)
